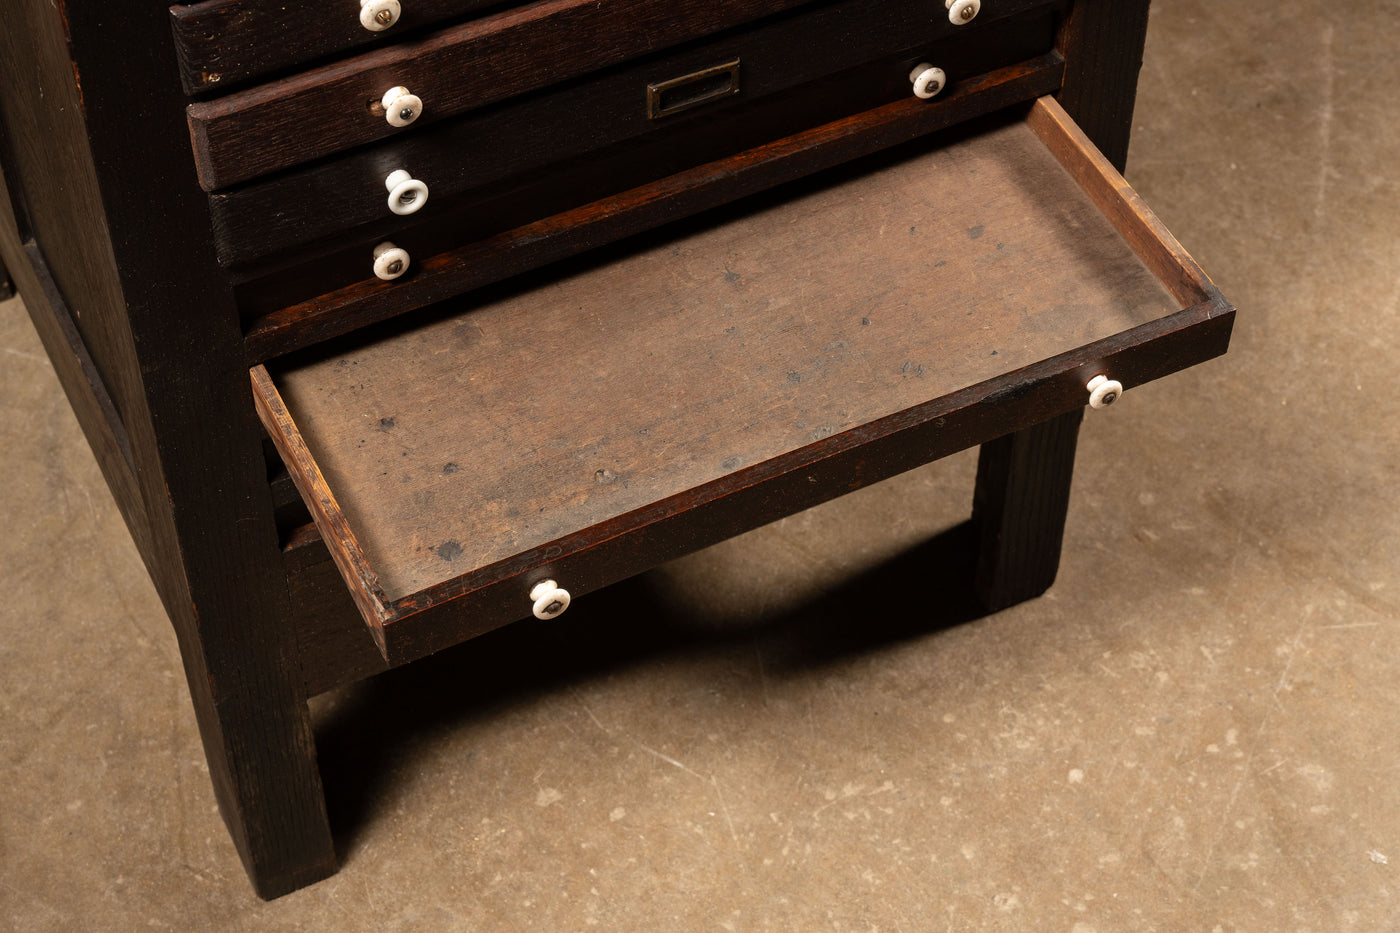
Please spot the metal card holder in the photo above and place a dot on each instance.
(665, 98)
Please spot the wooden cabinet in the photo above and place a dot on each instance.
(778, 76)
(672, 271)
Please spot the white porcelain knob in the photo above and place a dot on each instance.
(962, 11)
(407, 195)
(400, 107)
(550, 600)
(390, 261)
(928, 80)
(379, 15)
(1103, 391)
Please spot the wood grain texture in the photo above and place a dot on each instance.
(180, 383)
(55, 190)
(336, 530)
(1102, 41)
(757, 313)
(111, 433)
(82, 384)
(442, 275)
(224, 43)
(827, 468)
(888, 319)
(1023, 479)
(1117, 200)
(550, 131)
(290, 512)
(330, 109)
(273, 284)
(1019, 508)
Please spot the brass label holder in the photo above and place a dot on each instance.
(665, 98)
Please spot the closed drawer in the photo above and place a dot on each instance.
(337, 107)
(656, 400)
(514, 228)
(731, 75)
(225, 43)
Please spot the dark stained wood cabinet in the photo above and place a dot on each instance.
(624, 279)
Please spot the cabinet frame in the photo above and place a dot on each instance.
(144, 332)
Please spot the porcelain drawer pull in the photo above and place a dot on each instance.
(550, 600)
(1103, 391)
(379, 15)
(962, 11)
(407, 195)
(400, 107)
(928, 80)
(390, 261)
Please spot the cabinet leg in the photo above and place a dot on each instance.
(1019, 508)
(262, 762)
(7, 287)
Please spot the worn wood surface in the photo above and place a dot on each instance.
(1019, 507)
(1020, 542)
(330, 517)
(1102, 42)
(111, 431)
(313, 279)
(442, 275)
(202, 514)
(1117, 201)
(76, 370)
(224, 43)
(329, 109)
(551, 130)
(757, 339)
(637, 542)
(56, 192)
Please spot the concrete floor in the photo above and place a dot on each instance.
(1194, 730)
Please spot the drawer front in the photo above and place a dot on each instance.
(336, 107)
(652, 403)
(555, 128)
(317, 297)
(226, 43)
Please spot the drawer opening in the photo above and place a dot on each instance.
(602, 423)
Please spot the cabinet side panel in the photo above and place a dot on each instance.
(51, 176)
(53, 244)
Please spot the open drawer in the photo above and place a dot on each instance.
(657, 402)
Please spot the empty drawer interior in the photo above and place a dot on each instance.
(713, 380)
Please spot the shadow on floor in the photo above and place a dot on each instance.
(370, 731)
